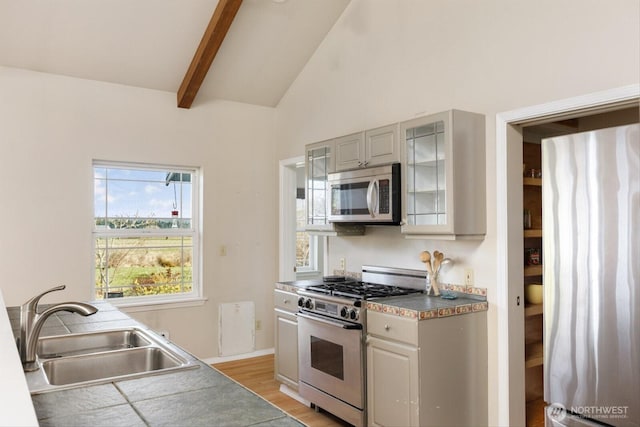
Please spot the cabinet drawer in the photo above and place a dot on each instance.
(285, 300)
(392, 327)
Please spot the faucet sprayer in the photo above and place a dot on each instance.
(31, 324)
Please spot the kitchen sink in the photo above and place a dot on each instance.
(110, 364)
(76, 360)
(91, 342)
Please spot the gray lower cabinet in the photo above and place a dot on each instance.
(426, 373)
(392, 380)
(286, 338)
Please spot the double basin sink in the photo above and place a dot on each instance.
(90, 358)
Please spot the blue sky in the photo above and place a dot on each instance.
(141, 193)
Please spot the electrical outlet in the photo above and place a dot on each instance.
(468, 277)
(258, 325)
(343, 264)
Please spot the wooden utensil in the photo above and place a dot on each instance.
(434, 285)
(440, 259)
(439, 262)
(425, 257)
(437, 257)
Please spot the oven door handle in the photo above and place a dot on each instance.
(335, 323)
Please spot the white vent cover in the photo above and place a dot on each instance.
(236, 328)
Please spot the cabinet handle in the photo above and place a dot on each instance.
(387, 327)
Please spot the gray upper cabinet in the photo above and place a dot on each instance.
(443, 184)
(370, 148)
(319, 162)
(349, 151)
(443, 176)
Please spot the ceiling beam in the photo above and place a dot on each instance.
(209, 45)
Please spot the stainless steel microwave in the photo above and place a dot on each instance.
(367, 196)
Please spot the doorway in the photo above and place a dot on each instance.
(511, 128)
(533, 235)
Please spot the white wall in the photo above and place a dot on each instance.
(388, 61)
(384, 61)
(51, 127)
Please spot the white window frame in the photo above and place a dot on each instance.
(288, 227)
(315, 245)
(195, 232)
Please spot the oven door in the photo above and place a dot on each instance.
(331, 357)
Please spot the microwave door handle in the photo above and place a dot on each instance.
(372, 202)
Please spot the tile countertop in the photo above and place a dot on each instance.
(417, 306)
(194, 397)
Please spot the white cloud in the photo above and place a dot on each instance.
(162, 206)
(151, 189)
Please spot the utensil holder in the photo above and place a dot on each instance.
(432, 284)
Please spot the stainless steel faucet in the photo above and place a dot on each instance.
(31, 324)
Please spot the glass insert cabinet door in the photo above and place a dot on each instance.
(427, 196)
(320, 162)
(427, 151)
(444, 183)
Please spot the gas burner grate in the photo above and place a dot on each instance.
(360, 290)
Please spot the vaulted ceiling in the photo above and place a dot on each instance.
(151, 43)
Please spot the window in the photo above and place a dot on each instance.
(308, 247)
(146, 232)
(305, 244)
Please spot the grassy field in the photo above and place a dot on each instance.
(143, 266)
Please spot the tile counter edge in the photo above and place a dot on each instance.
(432, 313)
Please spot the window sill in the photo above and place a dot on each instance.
(133, 307)
(308, 275)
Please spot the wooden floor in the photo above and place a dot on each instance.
(535, 413)
(257, 375)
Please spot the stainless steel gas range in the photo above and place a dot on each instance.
(331, 334)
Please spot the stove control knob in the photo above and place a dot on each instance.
(308, 303)
(344, 313)
(300, 301)
(353, 314)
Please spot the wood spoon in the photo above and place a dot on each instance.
(425, 257)
(440, 259)
(436, 261)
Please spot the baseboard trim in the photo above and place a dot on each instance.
(257, 353)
